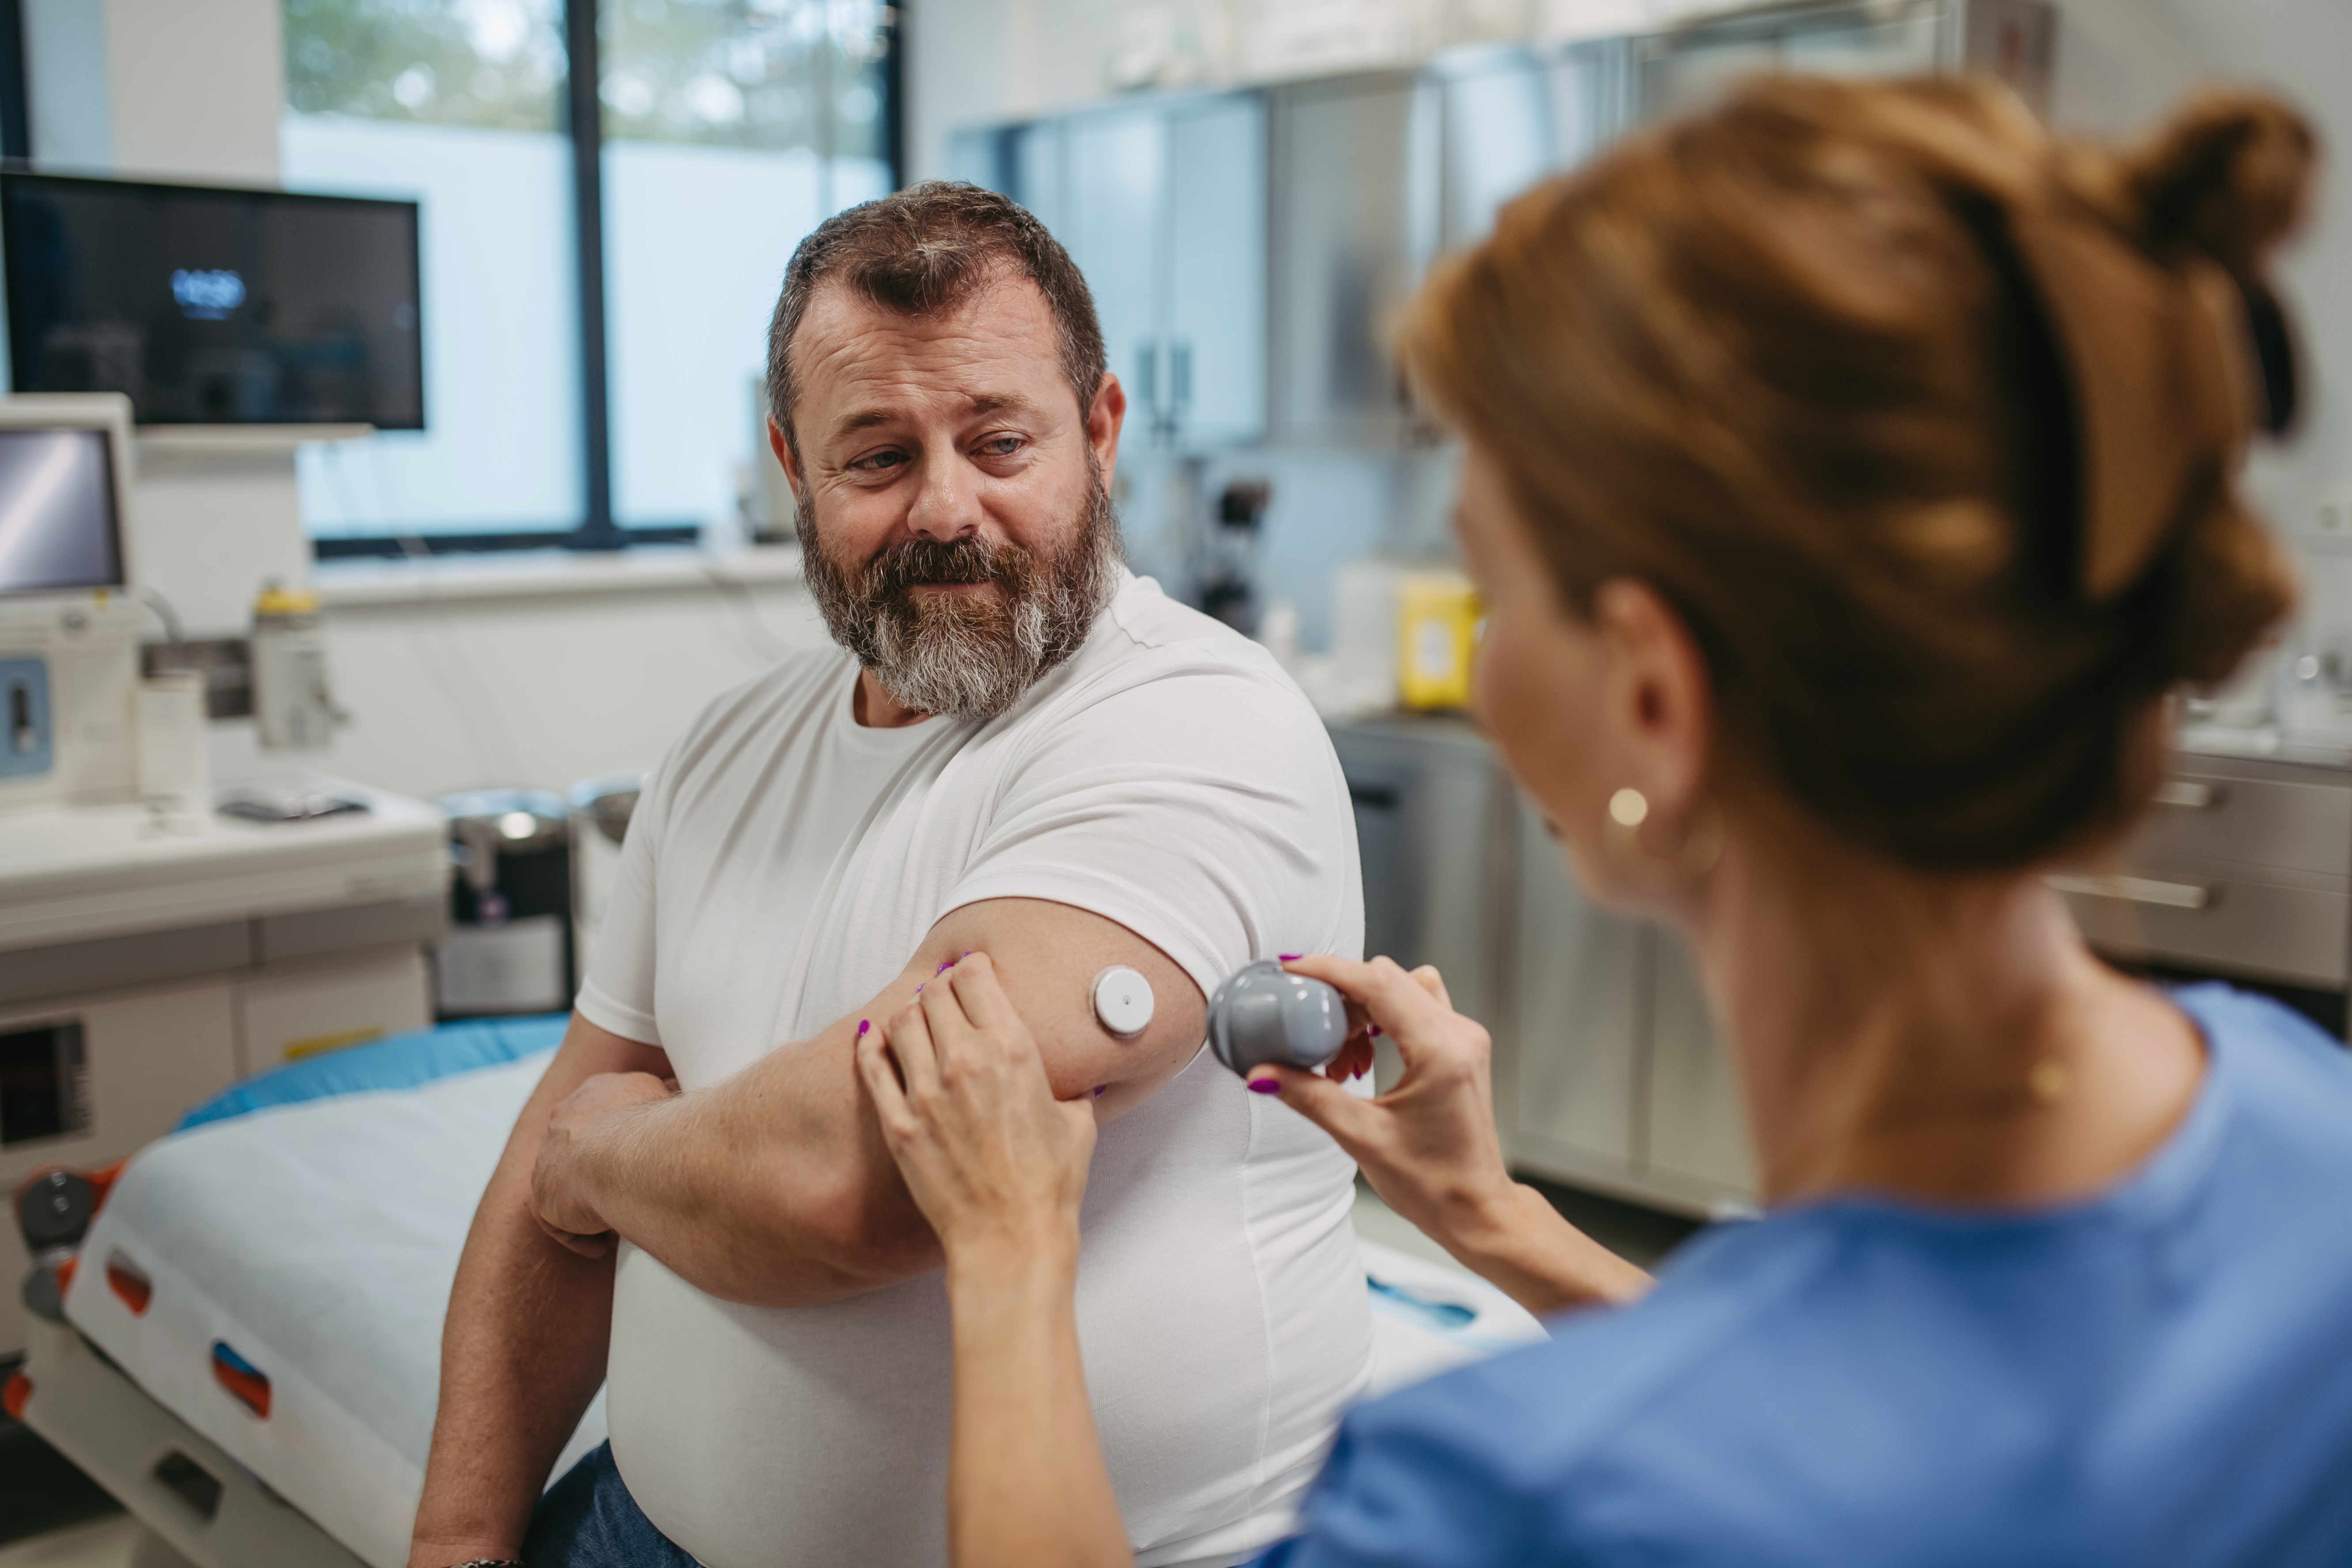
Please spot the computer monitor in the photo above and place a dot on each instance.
(62, 478)
(206, 305)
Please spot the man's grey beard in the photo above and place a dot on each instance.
(959, 656)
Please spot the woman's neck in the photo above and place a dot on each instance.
(1944, 1040)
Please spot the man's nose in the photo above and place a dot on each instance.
(946, 504)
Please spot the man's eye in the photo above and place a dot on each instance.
(1000, 445)
(880, 461)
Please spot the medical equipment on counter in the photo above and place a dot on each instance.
(1264, 1016)
(291, 701)
(68, 624)
(510, 947)
(147, 961)
(602, 807)
(174, 765)
(1122, 998)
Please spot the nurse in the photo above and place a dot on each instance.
(1850, 481)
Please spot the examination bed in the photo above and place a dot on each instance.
(248, 1348)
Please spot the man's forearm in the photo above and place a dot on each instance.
(522, 1354)
(758, 1190)
(523, 1346)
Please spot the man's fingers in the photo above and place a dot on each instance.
(590, 1247)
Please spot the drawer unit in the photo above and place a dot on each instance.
(2262, 930)
(2204, 816)
(2243, 867)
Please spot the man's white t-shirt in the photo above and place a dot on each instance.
(782, 866)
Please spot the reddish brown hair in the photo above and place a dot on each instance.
(1782, 363)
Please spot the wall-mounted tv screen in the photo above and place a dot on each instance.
(210, 306)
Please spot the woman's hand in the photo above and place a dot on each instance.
(996, 1163)
(1430, 1148)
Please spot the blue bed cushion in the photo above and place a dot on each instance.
(404, 1061)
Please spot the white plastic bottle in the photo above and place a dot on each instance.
(291, 701)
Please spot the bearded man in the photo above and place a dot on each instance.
(1017, 748)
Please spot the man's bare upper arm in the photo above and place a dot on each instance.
(1047, 955)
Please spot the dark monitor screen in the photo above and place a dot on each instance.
(210, 306)
(58, 525)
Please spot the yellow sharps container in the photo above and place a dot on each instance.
(1437, 631)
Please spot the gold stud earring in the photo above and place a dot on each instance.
(1628, 808)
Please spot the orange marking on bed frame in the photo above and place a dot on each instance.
(17, 1392)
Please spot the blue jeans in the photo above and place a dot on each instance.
(588, 1520)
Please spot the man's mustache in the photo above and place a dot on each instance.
(920, 561)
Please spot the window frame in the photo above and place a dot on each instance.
(583, 126)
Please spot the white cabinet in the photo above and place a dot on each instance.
(1608, 1070)
(1214, 306)
(1568, 1056)
(128, 1064)
(1115, 224)
(1683, 69)
(1355, 223)
(1162, 205)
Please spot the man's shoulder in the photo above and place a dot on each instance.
(792, 691)
(1146, 638)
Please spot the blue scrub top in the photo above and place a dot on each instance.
(2162, 1375)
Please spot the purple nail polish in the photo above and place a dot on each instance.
(966, 953)
(1265, 1086)
(1288, 957)
(1375, 1031)
(1099, 1090)
(944, 968)
(862, 1026)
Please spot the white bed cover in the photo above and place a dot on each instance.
(317, 1241)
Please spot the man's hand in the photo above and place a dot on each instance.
(562, 1190)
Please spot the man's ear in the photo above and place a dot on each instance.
(781, 446)
(1105, 416)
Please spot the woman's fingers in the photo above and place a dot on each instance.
(880, 1079)
(982, 995)
(909, 1038)
(1354, 1060)
(1328, 1105)
(1429, 979)
(1405, 1008)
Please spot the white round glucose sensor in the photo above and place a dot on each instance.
(1123, 1001)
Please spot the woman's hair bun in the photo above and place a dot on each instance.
(2227, 178)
